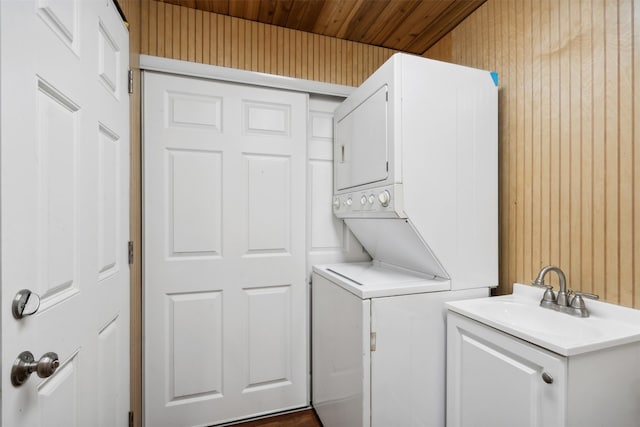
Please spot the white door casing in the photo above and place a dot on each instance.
(65, 208)
(224, 254)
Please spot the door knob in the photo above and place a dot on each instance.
(25, 303)
(25, 365)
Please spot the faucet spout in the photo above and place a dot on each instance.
(561, 298)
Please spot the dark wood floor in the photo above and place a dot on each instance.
(306, 418)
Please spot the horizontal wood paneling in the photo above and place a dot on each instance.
(569, 136)
(187, 34)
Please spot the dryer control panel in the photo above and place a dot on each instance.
(379, 202)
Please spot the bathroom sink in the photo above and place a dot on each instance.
(520, 315)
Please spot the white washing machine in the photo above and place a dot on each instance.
(378, 334)
(415, 180)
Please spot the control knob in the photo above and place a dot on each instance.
(384, 198)
(336, 203)
(349, 201)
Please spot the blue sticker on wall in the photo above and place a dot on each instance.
(494, 76)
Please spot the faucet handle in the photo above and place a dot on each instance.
(575, 299)
(548, 294)
(586, 295)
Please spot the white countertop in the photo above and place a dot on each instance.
(520, 315)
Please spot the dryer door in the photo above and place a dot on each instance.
(361, 149)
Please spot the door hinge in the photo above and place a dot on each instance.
(373, 341)
(130, 251)
(130, 418)
(130, 79)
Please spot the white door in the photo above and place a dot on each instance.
(64, 209)
(224, 265)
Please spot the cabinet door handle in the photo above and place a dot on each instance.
(547, 378)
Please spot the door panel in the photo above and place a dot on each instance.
(65, 208)
(224, 251)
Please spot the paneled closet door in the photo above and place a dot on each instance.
(224, 213)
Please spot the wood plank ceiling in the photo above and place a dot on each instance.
(406, 25)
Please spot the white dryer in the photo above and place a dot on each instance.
(415, 179)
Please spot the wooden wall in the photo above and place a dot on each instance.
(569, 169)
(569, 136)
(177, 32)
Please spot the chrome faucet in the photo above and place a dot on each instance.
(569, 302)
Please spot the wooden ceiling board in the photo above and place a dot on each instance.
(444, 23)
(267, 9)
(422, 17)
(299, 15)
(405, 25)
(365, 17)
(281, 14)
(217, 6)
(346, 19)
(331, 16)
(310, 15)
(392, 17)
(245, 9)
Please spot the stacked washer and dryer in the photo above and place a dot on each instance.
(416, 181)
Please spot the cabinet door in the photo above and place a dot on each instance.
(494, 379)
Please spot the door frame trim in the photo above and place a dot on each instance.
(193, 69)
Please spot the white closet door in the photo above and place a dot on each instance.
(65, 209)
(224, 214)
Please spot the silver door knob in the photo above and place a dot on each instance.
(25, 365)
(25, 303)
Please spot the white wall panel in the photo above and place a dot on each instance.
(269, 310)
(327, 231)
(195, 337)
(195, 180)
(269, 203)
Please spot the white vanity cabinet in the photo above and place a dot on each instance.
(496, 379)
